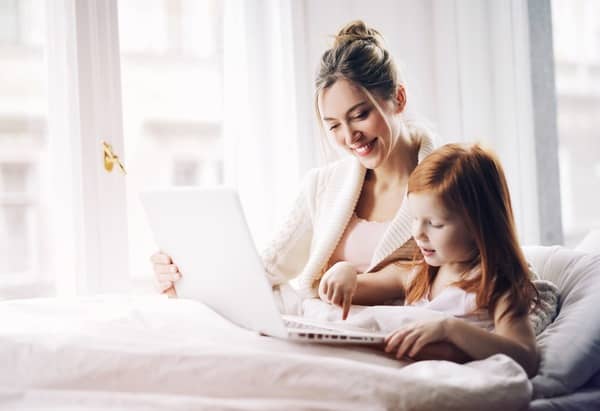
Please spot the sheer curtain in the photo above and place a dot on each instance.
(261, 120)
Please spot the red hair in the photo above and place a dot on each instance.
(469, 181)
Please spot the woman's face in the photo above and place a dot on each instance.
(356, 124)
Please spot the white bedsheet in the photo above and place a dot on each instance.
(153, 353)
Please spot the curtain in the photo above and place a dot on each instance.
(261, 120)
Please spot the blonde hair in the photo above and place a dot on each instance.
(359, 55)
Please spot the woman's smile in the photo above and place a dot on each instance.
(364, 150)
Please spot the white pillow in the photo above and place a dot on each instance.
(570, 346)
(590, 243)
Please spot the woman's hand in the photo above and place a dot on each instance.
(338, 286)
(410, 339)
(165, 273)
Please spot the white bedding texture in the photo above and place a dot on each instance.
(154, 353)
(570, 345)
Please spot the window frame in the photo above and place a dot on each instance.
(29, 201)
(84, 94)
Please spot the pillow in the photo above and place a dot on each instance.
(546, 310)
(570, 345)
(590, 243)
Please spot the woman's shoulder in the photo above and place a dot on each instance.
(423, 136)
(340, 178)
(345, 166)
(345, 163)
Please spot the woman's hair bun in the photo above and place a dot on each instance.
(357, 31)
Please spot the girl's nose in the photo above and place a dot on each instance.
(417, 230)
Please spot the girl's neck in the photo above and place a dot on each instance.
(455, 270)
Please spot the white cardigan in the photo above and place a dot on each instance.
(318, 220)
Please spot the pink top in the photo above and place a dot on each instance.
(359, 242)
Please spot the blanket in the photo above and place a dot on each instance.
(386, 319)
(154, 353)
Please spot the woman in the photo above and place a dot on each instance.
(351, 215)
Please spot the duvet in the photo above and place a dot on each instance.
(154, 353)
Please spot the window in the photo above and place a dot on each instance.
(22, 23)
(24, 241)
(185, 173)
(171, 76)
(577, 59)
(148, 77)
(17, 222)
(158, 103)
(9, 27)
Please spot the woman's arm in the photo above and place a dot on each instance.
(166, 273)
(343, 286)
(379, 286)
(289, 249)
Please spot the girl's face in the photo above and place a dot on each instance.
(356, 124)
(441, 234)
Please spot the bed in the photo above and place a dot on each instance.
(153, 353)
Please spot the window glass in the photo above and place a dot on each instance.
(576, 26)
(171, 76)
(24, 239)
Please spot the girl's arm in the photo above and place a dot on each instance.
(513, 336)
(379, 286)
(442, 351)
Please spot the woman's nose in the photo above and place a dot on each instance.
(352, 136)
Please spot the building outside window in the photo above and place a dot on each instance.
(576, 26)
(171, 75)
(23, 142)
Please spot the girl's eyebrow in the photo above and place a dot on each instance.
(354, 107)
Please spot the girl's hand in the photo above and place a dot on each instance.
(410, 339)
(338, 286)
(165, 273)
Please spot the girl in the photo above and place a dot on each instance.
(472, 264)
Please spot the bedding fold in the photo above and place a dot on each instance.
(154, 353)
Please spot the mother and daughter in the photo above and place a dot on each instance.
(357, 225)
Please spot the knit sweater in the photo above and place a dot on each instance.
(318, 219)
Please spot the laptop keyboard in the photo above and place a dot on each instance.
(304, 326)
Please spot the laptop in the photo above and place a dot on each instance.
(204, 230)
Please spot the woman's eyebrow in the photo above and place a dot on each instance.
(354, 107)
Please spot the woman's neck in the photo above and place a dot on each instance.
(394, 172)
